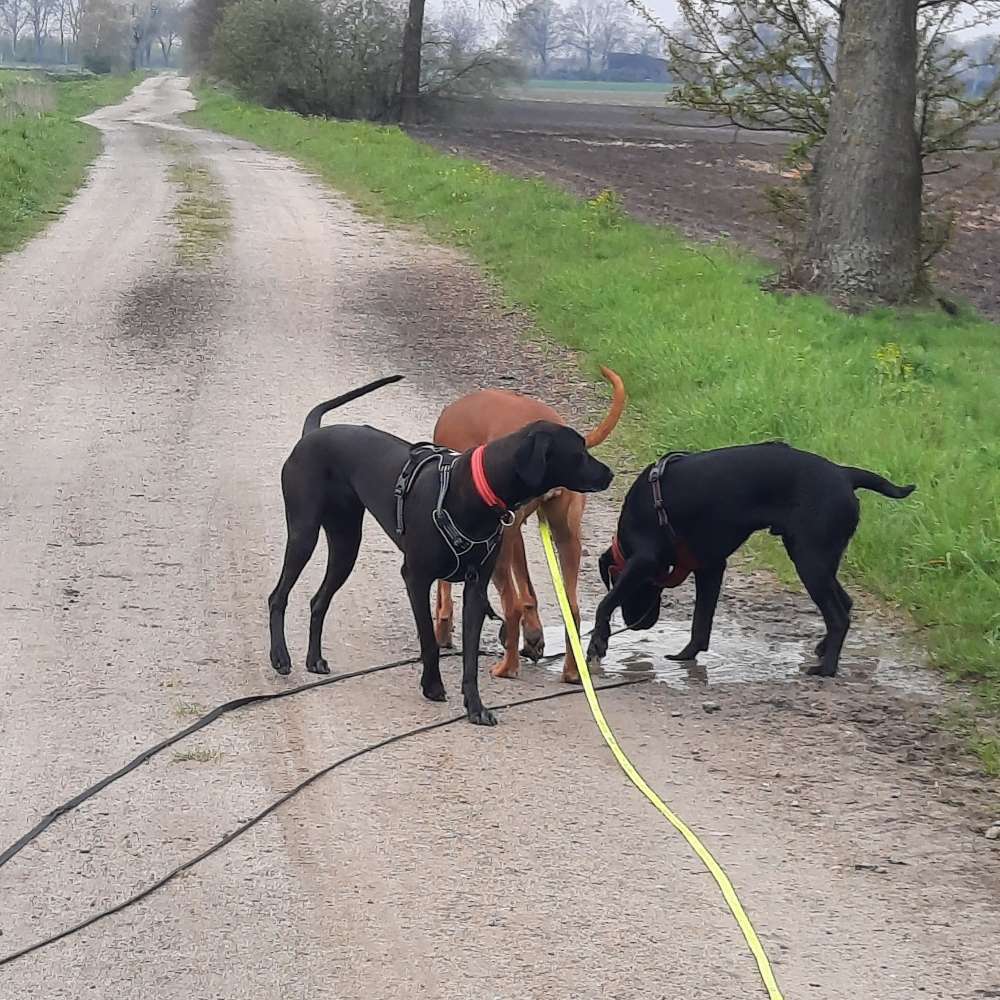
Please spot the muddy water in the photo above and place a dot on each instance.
(742, 655)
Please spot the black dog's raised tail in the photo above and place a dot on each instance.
(315, 415)
(865, 480)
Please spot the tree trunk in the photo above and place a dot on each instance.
(413, 36)
(863, 238)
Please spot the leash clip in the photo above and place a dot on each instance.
(507, 518)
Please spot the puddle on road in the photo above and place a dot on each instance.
(742, 656)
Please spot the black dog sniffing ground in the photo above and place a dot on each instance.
(443, 510)
(689, 512)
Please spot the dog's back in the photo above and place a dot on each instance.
(486, 415)
(768, 486)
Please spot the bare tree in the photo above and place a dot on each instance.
(461, 26)
(14, 16)
(581, 27)
(104, 34)
(535, 30)
(39, 14)
(168, 27)
(616, 30)
(74, 11)
(874, 93)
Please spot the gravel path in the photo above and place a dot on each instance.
(150, 394)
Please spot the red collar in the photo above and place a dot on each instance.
(686, 564)
(482, 484)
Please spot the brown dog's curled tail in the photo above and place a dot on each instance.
(315, 415)
(600, 433)
(865, 480)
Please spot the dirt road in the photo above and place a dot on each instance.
(153, 380)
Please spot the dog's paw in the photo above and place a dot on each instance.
(687, 655)
(596, 651)
(281, 662)
(822, 670)
(484, 717)
(572, 676)
(534, 644)
(435, 693)
(505, 669)
(319, 667)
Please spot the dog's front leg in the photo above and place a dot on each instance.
(637, 570)
(418, 591)
(708, 584)
(473, 616)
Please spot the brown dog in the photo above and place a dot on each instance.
(475, 420)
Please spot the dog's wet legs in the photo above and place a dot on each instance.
(524, 593)
(819, 578)
(846, 604)
(708, 585)
(637, 570)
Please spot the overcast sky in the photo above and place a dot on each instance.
(666, 10)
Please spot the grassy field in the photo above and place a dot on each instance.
(709, 359)
(44, 153)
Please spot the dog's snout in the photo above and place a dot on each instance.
(602, 476)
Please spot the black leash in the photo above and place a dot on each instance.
(150, 752)
(249, 824)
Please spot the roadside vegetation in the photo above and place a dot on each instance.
(709, 358)
(44, 151)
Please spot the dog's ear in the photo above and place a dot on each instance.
(602, 565)
(532, 458)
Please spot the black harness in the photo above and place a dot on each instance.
(465, 550)
(656, 475)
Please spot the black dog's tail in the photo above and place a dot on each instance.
(865, 480)
(316, 413)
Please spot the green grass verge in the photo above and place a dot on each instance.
(44, 157)
(709, 359)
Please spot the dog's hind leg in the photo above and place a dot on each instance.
(818, 572)
(303, 531)
(847, 604)
(444, 615)
(708, 584)
(418, 590)
(343, 539)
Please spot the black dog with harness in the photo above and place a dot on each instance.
(334, 474)
(690, 512)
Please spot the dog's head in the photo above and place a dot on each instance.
(641, 605)
(550, 456)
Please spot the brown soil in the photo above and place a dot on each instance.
(669, 167)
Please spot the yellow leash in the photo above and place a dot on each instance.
(728, 892)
